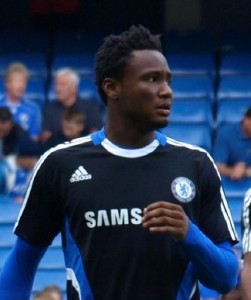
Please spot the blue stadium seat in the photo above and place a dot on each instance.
(36, 91)
(235, 206)
(195, 134)
(77, 41)
(7, 237)
(236, 188)
(191, 63)
(231, 110)
(191, 111)
(192, 87)
(35, 62)
(88, 89)
(53, 259)
(234, 87)
(236, 64)
(49, 277)
(83, 63)
(9, 211)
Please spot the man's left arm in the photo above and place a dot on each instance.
(216, 265)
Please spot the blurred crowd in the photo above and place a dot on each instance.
(27, 130)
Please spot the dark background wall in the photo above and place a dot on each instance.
(114, 15)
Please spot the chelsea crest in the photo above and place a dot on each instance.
(183, 189)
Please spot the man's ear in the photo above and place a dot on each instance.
(111, 88)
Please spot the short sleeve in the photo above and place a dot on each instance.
(215, 217)
(40, 218)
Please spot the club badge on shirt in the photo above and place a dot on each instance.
(183, 189)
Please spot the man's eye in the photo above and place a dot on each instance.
(152, 78)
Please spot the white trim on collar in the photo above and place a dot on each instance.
(129, 153)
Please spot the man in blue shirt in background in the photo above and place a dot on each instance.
(25, 113)
(232, 151)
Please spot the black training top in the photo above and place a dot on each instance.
(94, 192)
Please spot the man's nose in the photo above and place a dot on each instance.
(166, 90)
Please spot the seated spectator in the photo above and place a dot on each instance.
(26, 158)
(26, 113)
(232, 149)
(66, 88)
(15, 141)
(50, 292)
(42, 296)
(11, 134)
(72, 127)
(54, 292)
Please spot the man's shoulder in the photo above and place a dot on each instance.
(230, 130)
(29, 105)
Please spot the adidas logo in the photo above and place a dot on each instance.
(80, 174)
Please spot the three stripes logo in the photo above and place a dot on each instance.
(80, 174)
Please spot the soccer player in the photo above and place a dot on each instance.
(142, 216)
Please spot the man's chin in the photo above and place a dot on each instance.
(162, 124)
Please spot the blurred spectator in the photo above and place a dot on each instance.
(42, 296)
(54, 292)
(11, 134)
(232, 149)
(18, 153)
(27, 156)
(72, 126)
(25, 113)
(66, 88)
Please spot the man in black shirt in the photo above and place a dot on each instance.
(66, 88)
(142, 216)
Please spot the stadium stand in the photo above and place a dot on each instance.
(191, 111)
(83, 62)
(231, 110)
(191, 133)
(234, 87)
(191, 64)
(236, 64)
(191, 57)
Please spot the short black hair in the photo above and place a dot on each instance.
(115, 53)
(5, 114)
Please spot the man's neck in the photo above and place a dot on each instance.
(69, 101)
(12, 99)
(129, 138)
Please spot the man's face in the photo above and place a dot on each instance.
(144, 93)
(246, 125)
(5, 128)
(65, 89)
(16, 85)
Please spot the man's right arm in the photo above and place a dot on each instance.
(17, 276)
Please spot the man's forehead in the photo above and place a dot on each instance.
(149, 59)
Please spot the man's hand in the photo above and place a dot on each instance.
(164, 217)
